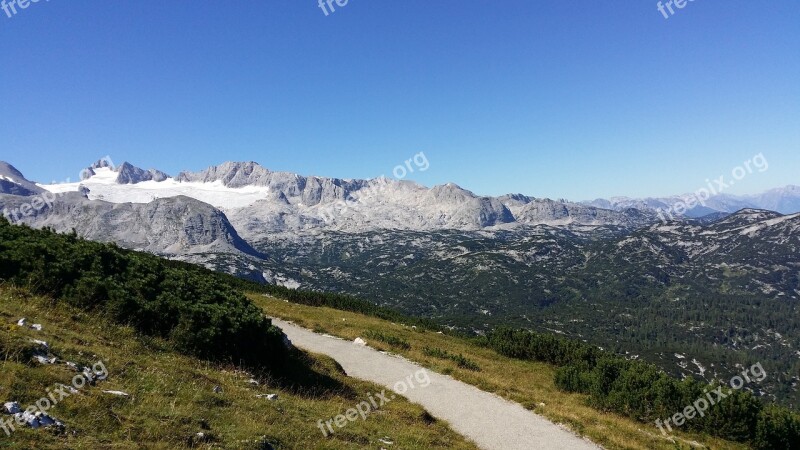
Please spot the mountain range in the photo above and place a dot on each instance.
(696, 295)
(784, 200)
(262, 201)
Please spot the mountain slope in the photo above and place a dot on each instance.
(170, 226)
(14, 183)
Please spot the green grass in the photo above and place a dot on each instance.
(172, 395)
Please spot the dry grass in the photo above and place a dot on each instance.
(528, 383)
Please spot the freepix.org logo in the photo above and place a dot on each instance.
(327, 6)
(672, 6)
(10, 7)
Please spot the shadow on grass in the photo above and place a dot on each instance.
(310, 377)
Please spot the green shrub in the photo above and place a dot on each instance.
(777, 429)
(201, 313)
(460, 360)
(393, 341)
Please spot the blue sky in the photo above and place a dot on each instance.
(565, 98)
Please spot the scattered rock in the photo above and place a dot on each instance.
(270, 397)
(41, 344)
(21, 322)
(200, 438)
(117, 393)
(386, 441)
(253, 382)
(11, 408)
(361, 342)
(217, 390)
(28, 419)
(45, 420)
(93, 376)
(71, 389)
(265, 445)
(38, 420)
(37, 327)
(44, 359)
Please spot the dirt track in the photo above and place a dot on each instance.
(491, 422)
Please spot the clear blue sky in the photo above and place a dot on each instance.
(568, 98)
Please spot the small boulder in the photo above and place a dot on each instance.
(42, 344)
(11, 408)
(44, 360)
(29, 419)
(117, 393)
(360, 342)
(45, 420)
(71, 389)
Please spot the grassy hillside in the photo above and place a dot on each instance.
(172, 395)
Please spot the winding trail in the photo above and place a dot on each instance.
(490, 421)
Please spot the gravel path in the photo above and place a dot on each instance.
(488, 420)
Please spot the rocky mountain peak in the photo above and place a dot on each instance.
(130, 174)
(13, 182)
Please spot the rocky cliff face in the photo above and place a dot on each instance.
(129, 174)
(171, 226)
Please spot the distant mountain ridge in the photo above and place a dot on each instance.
(264, 201)
(260, 202)
(785, 200)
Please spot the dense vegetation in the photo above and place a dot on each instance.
(203, 315)
(643, 392)
(653, 292)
